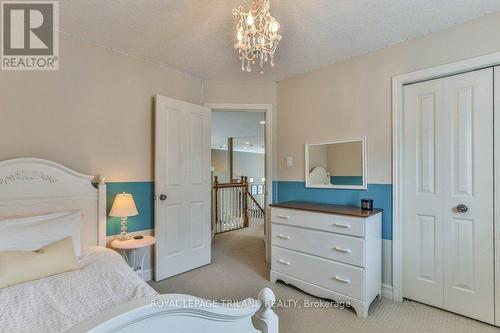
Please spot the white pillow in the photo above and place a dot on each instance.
(34, 232)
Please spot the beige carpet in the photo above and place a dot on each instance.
(238, 271)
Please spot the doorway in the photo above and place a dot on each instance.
(244, 140)
(238, 169)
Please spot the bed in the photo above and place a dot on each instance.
(104, 295)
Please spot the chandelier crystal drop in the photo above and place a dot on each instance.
(256, 34)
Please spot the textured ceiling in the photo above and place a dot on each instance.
(196, 36)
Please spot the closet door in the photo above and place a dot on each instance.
(448, 194)
(423, 193)
(468, 180)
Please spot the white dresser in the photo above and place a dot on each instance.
(329, 251)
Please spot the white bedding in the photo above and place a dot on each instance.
(57, 303)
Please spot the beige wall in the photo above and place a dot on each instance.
(353, 98)
(249, 92)
(94, 115)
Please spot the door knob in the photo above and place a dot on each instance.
(462, 208)
(163, 197)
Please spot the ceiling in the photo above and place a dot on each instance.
(244, 126)
(186, 35)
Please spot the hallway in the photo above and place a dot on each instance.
(238, 271)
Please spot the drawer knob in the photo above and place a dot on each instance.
(285, 217)
(283, 236)
(341, 249)
(284, 262)
(342, 279)
(341, 225)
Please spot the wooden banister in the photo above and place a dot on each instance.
(232, 207)
(230, 204)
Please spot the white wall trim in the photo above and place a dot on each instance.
(270, 154)
(398, 82)
(386, 291)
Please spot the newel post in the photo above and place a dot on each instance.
(216, 201)
(245, 200)
(265, 319)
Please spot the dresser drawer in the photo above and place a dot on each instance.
(328, 245)
(342, 278)
(328, 222)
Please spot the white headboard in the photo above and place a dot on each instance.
(34, 186)
(319, 175)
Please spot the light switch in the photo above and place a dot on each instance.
(289, 161)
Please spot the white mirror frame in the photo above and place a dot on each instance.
(350, 187)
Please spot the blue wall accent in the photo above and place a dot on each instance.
(347, 180)
(143, 193)
(380, 193)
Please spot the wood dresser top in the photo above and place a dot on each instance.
(327, 208)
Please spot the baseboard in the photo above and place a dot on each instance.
(387, 291)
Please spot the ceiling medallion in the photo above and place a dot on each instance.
(256, 33)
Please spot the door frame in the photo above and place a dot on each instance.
(269, 155)
(398, 82)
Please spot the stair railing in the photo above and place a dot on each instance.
(230, 204)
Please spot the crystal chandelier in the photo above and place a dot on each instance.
(256, 33)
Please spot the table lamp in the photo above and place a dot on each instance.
(123, 207)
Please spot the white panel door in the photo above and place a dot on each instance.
(182, 187)
(448, 194)
(423, 196)
(468, 245)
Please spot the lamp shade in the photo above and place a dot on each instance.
(123, 206)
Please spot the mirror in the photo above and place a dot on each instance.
(337, 164)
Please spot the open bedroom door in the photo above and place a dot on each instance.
(182, 187)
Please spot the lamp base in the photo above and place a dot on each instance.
(123, 235)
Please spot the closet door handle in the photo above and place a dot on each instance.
(284, 262)
(284, 236)
(341, 225)
(342, 279)
(285, 217)
(462, 208)
(341, 249)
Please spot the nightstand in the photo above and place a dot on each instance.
(133, 249)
